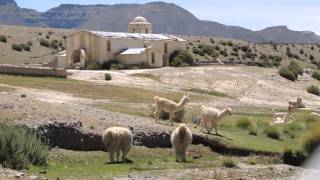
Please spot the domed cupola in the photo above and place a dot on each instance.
(140, 25)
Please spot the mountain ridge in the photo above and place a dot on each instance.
(166, 18)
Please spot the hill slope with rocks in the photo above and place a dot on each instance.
(166, 18)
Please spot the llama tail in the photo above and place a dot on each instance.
(156, 99)
(182, 131)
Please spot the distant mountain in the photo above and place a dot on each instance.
(166, 18)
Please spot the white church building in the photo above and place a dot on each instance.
(137, 46)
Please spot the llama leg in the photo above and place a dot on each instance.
(156, 114)
(111, 153)
(171, 116)
(118, 155)
(184, 155)
(177, 155)
(124, 154)
(216, 128)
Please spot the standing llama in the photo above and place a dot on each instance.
(211, 117)
(180, 139)
(117, 139)
(168, 106)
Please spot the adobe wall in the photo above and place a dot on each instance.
(32, 71)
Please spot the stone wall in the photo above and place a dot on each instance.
(32, 71)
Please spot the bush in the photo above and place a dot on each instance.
(116, 66)
(313, 89)
(294, 67)
(181, 58)
(107, 76)
(272, 132)
(198, 51)
(3, 39)
(29, 43)
(94, 66)
(54, 44)
(312, 140)
(244, 123)
(19, 148)
(286, 73)
(253, 132)
(316, 75)
(25, 47)
(295, 158)
(292, 71)
(16, 47)
(229, 163)
(44, 43)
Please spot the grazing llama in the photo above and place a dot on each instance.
(171, 107)
(117, 139)
(211, 117)
(180, 139)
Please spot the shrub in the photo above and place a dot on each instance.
(245, 48)
(223, 53)
(107, 76)
(286, 73)
(312, 140)
(16, 47)
(313, 89)
(253, 132)
(3, 39)
(117, 66)
(292, 71)
(94, 66)
(294, 67)
(198, 51)
(272, 132)
(316, 75)
(229, 163)
(311, 57)
(244, 123)
(29, 43)
(295, 158)
(181, 58)
(44, 43)
(19, 148)
(54, 44)
(301, 51)
(25, 47)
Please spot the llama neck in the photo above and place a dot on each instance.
(223, 113)
(181, 104)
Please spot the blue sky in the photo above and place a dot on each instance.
(252, 14)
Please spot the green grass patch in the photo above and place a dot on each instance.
(87, 89)
(147, 76)
(207, 92)
(64, 163)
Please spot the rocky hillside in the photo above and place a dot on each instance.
(231, 51)
(204, 49)
(166, 18)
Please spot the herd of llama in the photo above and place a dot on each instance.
(119, 140)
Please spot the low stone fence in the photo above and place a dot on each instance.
(73, 136)
(32, 71)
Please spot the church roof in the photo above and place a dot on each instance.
(133, 51)
(139, 36)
